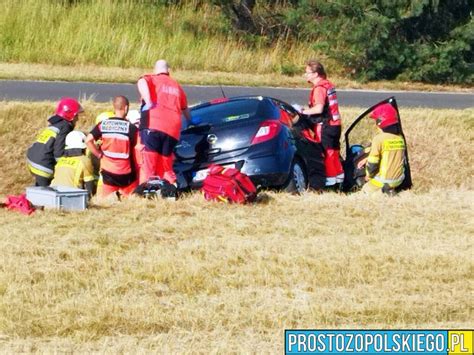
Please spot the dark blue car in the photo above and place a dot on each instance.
(254, 134)
(257, 135)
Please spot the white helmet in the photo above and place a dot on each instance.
(76, 139)
(133, 117)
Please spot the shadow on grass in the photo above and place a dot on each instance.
(263, 198)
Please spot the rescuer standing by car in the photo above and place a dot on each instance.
(324, 112)
(163, 102)
(49, 145)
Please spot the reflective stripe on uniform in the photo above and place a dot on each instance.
(115, 155)
(40, 167)
(379, 182)
(89, 178)
(335, 180)
(330, 181)
(118, 136)
(39, 172)
(340, 178)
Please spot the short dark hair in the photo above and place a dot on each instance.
(316, 67)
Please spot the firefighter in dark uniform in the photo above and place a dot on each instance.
(50, 142)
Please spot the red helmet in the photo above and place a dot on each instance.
(384, 115)
(68, 108)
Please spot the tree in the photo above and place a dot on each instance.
(425, 40)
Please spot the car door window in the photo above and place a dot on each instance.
(288, 115)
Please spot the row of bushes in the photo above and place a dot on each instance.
(414, 40)
(420, 40)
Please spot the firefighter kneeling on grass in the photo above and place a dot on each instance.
(74, 168)
(49, 145)
(118, 136)
(385, 164)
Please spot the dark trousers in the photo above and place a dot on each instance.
(42, 181)
(315, 163)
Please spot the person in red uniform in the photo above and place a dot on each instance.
(163, 102)
(118, 136)
(323, 104)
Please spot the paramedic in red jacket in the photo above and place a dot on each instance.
(117, 168)
(323, 103)
(163, 102)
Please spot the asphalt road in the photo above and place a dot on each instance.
(45, 90)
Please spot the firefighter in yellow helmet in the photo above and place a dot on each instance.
(103, 116)
(385, 169)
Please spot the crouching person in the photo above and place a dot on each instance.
(74, 168)
(49, 145)
(385, 169)
(118, 136)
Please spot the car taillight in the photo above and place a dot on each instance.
(219, 100)
(267, 130)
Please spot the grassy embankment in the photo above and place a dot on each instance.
(131, 34)
(118, 41)
(196, 276)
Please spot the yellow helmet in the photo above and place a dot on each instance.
(104, 115)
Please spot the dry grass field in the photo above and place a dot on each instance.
(191, 276)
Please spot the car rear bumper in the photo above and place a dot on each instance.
(266, 171)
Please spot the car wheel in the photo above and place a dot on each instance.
(297, 182)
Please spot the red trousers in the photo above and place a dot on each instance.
(106, 190)
(332, 163)
(155, 164)
(328, 136)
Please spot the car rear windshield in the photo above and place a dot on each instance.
(232, 111)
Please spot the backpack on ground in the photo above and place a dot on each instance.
(156, 187)
(19, 203)
(228, 185)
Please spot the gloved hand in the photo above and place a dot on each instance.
(146, 107)
(297, 107)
